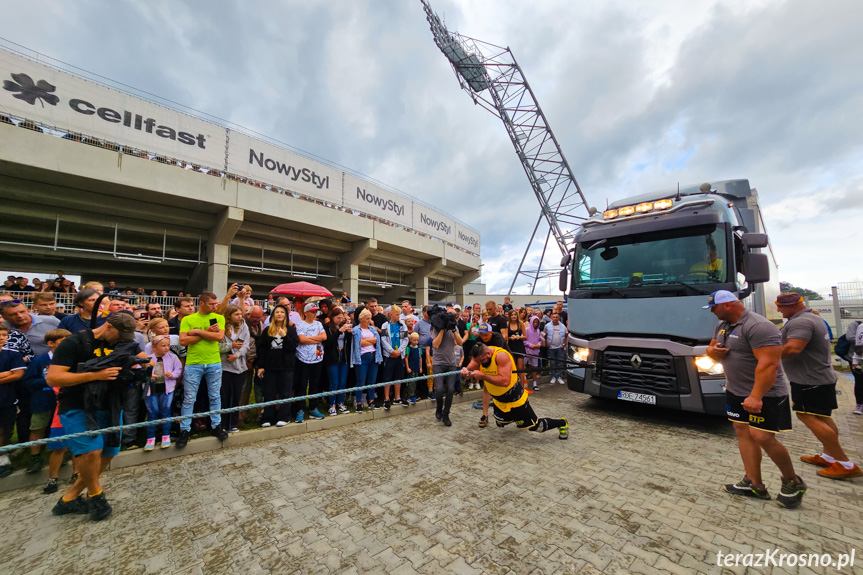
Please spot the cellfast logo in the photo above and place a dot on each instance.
(436, 224)
(24, 88)
(304, 174)
(469, 240)
(384, 205)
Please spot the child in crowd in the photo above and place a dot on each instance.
(43, 399)
(160, 389)
(12, 368)
(413, 363)
(458, 353)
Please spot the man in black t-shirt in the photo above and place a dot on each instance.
(92, 454)
(495, 320)
(378, 317)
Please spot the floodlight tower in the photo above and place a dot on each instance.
(493, 79)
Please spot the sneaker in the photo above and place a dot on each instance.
(744, 487)
(791, 495)
(300, 417)
(166, 441)
(73, 479)
(130, 447)
(815, 460)
(837, 471)
(374, 406)
(858, 410)
(220, 434)
(483, 421)
(183, 439)
(535, 386)
(151, 444)
(35, 465)
(413, 400)
(332, 411)
(5, 470)
(477, 404)
(50, 487)
(438, 415)
(234, 430)
(387, 404)
(359, 408)
(343, 409)
(561, 381)
(266, 424)
(446, 421)
(280, 423)
(563, 430)
(99, 507)
(405, 403)
(77, 506)
(431, 396)
(315, 414)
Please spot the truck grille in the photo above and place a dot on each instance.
(655, 372)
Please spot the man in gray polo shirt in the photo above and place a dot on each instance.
(749, 347)
(806, 359)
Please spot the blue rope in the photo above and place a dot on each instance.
(96, 432)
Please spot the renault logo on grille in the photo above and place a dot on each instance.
(635, 360)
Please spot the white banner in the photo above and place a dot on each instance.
(43, 94)
(371, 199)
(434, 223)
(467, 238)
(270, 164)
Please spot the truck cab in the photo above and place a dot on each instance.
(640, 274)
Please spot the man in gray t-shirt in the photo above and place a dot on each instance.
(749, 347)
(444, 342)
(807, 359)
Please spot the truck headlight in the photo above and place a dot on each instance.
(706, 364)
(579, 353)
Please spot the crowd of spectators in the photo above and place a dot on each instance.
(206, 354)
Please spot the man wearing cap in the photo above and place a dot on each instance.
(749, 347)
(92, 453)
(84, 301)
(806, 358)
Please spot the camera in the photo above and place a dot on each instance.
(240, 287)
(441, 320)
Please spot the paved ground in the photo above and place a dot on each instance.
(632, 491)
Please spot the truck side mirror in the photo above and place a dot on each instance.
(562, 280)
(753, 241)
(756, 268)
(564, 261)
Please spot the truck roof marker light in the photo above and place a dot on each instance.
(663, 204)
(644, 207)
(609, 214)
(626, 211)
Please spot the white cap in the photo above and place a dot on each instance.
(720, 296)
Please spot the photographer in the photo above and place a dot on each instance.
(445, 337)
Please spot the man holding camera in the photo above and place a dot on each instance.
(445, 337)
(92, 453)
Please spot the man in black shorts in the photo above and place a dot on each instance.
(494, 366)
(749, 346)
(806, 359)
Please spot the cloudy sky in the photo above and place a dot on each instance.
(641, 96)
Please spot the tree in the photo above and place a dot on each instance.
(806, 293)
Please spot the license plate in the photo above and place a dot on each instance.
(637, 397)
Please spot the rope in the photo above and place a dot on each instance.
(96, 432)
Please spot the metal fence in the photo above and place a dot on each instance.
(850, 303)
(67, 300)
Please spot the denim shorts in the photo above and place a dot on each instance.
(75, 422)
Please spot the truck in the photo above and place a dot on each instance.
(639, 277)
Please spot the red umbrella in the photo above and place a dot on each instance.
(302, 289)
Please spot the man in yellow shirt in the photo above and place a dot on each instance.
(709, 270)
(494, 366)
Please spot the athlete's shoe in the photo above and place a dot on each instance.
(791, 495)
(815, 460)
(563, 430)
(483, 421)
(77, 506)
(99, 507)
(837, 471)
(744, 487)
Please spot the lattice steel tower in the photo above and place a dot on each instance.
(494, 80)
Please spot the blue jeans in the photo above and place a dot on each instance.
(338, 379)
(192, 375)
(556, 357)
(159, 407)
(367, 373)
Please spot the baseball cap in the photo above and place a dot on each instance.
(124, 323)
(311, 307)
(789, 298)
(456, 306)
(485, 328)
(720, 296)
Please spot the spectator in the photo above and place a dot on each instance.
(310, 352)
(324, 307)
(564, 317)
(255, 323)
(159, 394)
(112, 288)
(12, 368)
(556, 337)
(337, 349)
(34, 327)
(423, 328)
(507, 305)
(185, 306)
(159, 326)
(345, 298)
(393, 343)
(366, 357)
(515, 337)
(37, 284)
(201, 333)
(23, 284)
(234, 348)
(532, 345)
(57, 448)
(413, 363)
(277, 348)
(154, 309)
(406, 309)
(495, 318)
(378, 317)
(443, 342)
(84, 301)
(116, 305)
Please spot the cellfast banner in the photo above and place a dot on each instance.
(44, 94)
(371, 199)
(270, 164)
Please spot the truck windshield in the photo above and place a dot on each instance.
(691, 258)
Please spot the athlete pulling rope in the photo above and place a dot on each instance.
(494, 366)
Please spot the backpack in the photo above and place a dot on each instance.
(843, 346)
